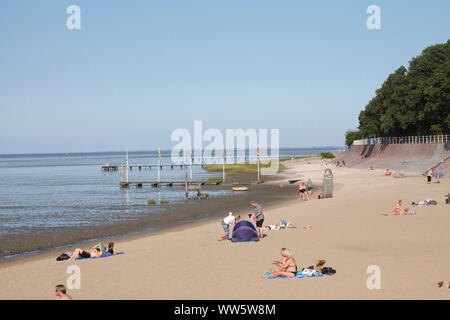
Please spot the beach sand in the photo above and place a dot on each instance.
(348, 231)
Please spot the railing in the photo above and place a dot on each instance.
(443, 138)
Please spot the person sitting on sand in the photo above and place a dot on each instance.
(61, 292)
(287, 265)
(397, 210)
(302, 191)
(320, 194)
(370, 168)
(94, 253)
(388, 173)
(227, 222)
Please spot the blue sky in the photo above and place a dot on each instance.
(137, 70)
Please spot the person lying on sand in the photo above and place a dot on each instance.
(287, 265)
(95, 251)
(370, 168)
(441, 283)
(422, 202)
(61, 292)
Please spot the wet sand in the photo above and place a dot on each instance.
(348, 231)
(174, 215)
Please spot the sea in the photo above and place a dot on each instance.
(45, 198)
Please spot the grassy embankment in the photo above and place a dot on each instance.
(234, 170)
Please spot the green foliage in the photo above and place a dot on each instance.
(352, 135)
(327, 155)
(414, 101)
(164, 201)
(215, 178)
(151, 201)
(234, 170)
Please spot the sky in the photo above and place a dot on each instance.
(138, 70)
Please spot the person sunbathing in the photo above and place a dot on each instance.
(440, 284)
(388, 173)
(287, 265)
(370, 168)
(397, 210)
(95, 252)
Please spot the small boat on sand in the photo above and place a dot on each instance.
(240, 189)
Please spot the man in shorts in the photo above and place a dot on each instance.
(259, 215)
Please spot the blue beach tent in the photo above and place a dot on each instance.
(244, 231)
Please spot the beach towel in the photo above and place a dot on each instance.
(422, 205)
(104, 255)
(299, 275)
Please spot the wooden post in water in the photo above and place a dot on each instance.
(127, 166)
(186, 184)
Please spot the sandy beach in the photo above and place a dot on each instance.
(348, 231)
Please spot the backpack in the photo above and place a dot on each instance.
(63, 256)
(328, 270)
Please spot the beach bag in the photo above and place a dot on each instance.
(308, 272)
(283, 224)
(328, 270)
(63, 256)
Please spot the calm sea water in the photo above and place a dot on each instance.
(40, 193)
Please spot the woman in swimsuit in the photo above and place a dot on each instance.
(302, 191)
(398, 210)
(287, 265)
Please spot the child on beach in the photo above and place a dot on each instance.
(309, 186)
(320, 194)
(287, 265)
(227, 222)
(61, 292)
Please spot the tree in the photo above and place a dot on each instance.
(413, 101)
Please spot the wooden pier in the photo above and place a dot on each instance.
(149, 167)
(169, 184)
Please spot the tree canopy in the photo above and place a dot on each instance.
(413, 101)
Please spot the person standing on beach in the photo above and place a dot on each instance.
(229, 220)
(437, 174)
(429, 175)
(309, 186)
(259, 215)
(61, 292)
